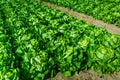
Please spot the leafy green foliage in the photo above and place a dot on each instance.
(7, 70)
(36, 42)
(108, 11)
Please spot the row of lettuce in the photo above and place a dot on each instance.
(37, 42)
(108, 11)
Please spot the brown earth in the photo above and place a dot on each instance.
(111, 28)
(87, 74)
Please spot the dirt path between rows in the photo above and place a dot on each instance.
(111, 28)
(88, 75)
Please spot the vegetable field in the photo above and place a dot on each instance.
(37, 42)
(108, 11)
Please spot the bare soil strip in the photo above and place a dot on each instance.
(111, 28)
(88, 75)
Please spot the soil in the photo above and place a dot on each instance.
(111, 28)
(87, 74)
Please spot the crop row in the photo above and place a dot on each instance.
(108, 11)
(36, 42)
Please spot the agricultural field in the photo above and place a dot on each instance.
(108, 11)
(37, 42)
